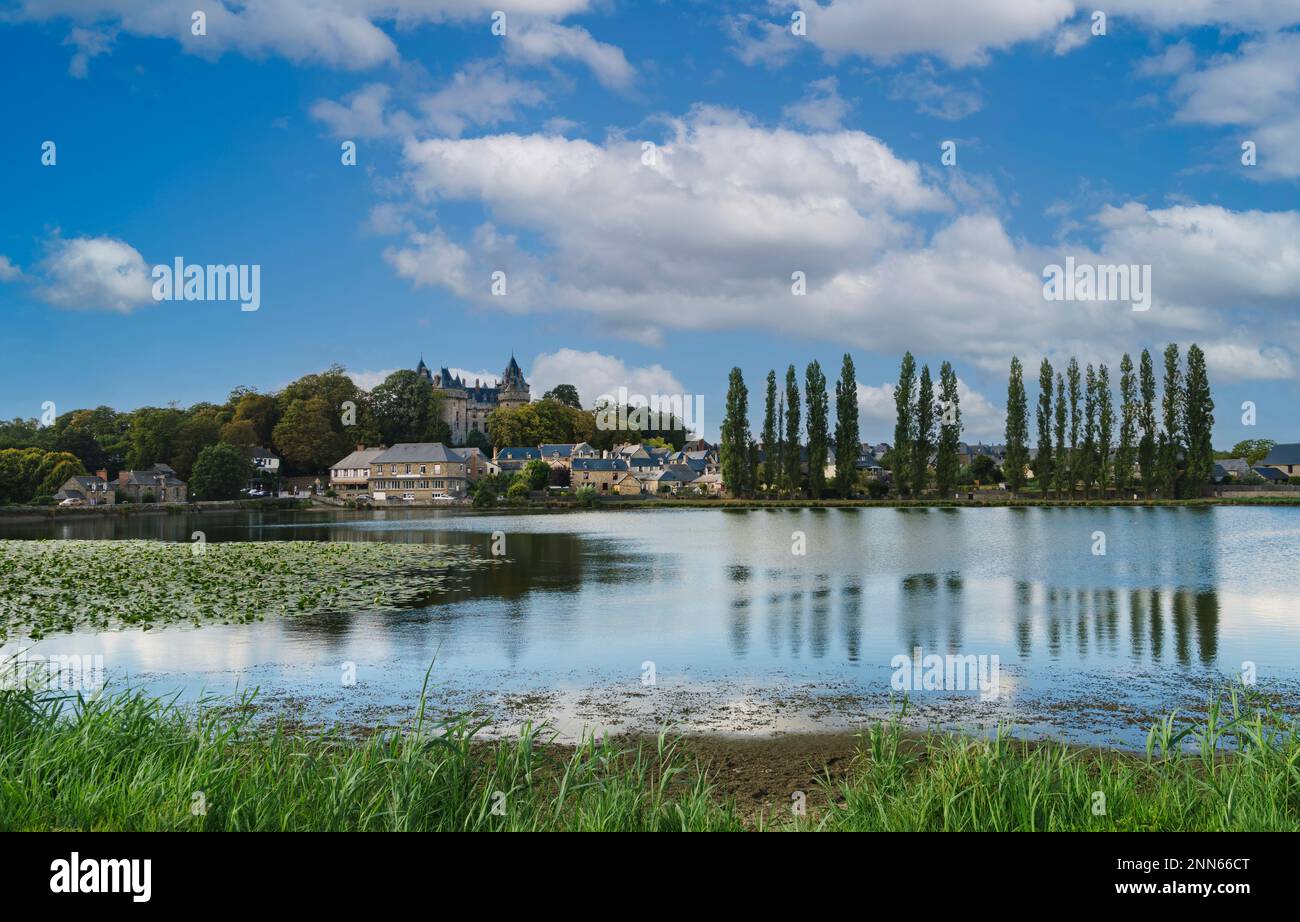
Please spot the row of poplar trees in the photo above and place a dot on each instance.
(777, 467)
(1077, 449)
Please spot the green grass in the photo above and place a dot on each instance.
(129, 762)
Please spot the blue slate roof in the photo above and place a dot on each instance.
(1283, 454)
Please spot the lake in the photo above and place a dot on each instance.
(758, 621)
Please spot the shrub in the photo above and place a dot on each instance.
(587, 496)
(484, 498)
(518, 491)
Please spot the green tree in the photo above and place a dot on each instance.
(305, 437)
(848, 445)
(902, 448)
(1105, 426)
(793, 476)
(536, 474)
(201, 428)
(1147, 420)
(1125, 452)
(219, 473)
(922, 432)
(946, 464)
(566, 394)
(1043, 461)
(1170, 452)
(152, 434)
(1062, 455)
(1017, 432)
(1088, 454)
(406, 409)
(1072, 380)
(734, 445)
(818, 428)
(1198, 422)
(1253, 450)
(770, 457)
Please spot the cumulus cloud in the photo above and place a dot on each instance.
(922, 88)
(481, 95)
(94, 273)
(965, 33)
(595, 374)
(822, 108)
(543, 42)
(1256, 89)
(981, 419)
(431, 259)
(345, 34)
(8, 271)
(707, 234)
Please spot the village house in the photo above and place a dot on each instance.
(158, 484)
(1285, 459)
(418, 472)
(514, 458)
(90, 489)
(350, 476)
(604, 474)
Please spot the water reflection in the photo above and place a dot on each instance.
(711, 593)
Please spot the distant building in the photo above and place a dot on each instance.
(418, 472)
(603, 474)
(514, 458)
(91, 489)
(1283, 458)
(350, 476)
(465, 407)
(159, 481)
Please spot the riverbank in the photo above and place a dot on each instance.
(25, 513)
(131, 763)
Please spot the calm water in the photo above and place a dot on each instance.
(743, 634)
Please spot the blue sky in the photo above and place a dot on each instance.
(524, 153)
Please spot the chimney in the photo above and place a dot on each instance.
(102, 474)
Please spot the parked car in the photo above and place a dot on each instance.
(408, 497)
(73, 501)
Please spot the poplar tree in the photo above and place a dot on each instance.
(780, 441)
(1171, 436)
(1198, 421)
(792, 424)
(818, 438)
(848, 445)
(1105, 427)
(1088, 456)
(1072, 378)
(1124, 452)
(946, 464)
(903, 424)
(1043, 463)
(770, 457)
(923, 428)
(734, 450)
(1147, 420)
(1062, 452)
(1017, 427)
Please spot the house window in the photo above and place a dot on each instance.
(422, 469)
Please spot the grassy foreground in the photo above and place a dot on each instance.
(127, 762)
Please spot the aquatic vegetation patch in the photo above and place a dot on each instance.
(48, 587)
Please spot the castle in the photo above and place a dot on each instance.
(465, 409)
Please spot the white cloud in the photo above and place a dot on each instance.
(965, 33)
(345, 34)
(8, 271)
(707, 237)
(95, 273)
(431, 259)
(369, 380)
(542, 42)
(1258, 89)
(595, 375)
(933, 98)
(90, 43)
(822, 108)
(481, 95)
(980, 418)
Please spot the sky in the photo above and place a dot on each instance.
(621, 194)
